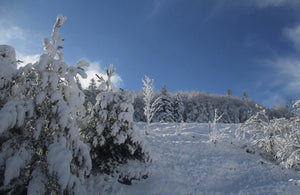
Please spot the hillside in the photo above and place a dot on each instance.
(188, 163)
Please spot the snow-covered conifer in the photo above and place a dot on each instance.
(178, 107)
(139, 106)
(229, 93)
(41, 148)
(78, 84)
(107, 85)
(165, 109)
(91, 92)
(92, 86)
(245, 96)
(112, 134)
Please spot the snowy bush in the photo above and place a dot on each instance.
(41, 150)
(112, 134)
(278, 139)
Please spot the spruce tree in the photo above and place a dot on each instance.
(178, 108)
(165, 109)
(245, 96)
(41, 148)
(112, 134)
(229, 93)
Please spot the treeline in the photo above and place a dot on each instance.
(195, 106)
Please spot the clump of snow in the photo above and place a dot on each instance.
(59, 159)
(8, 56)
(15, 163)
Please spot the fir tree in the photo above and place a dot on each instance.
(112, 133)
(178, 108)
(245, 96)
(40, 148)
(165, 109)
(229, 93)
(92, 86)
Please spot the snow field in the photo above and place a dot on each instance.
(188, 163)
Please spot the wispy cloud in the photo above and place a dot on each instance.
(23, 40)
(272, 98)
(288, 67)
(11, 34)
(277, 3)
(283, 77)
(293, 34)
(96, 68)
(287, 73)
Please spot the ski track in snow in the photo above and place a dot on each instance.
(188, 163)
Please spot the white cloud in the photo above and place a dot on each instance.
(26, 59)
(11, 34)
(282, 81)
(293, 34)
(95, 68)
(288, 73)
(23, 40)
(20, 39)
(28, 43)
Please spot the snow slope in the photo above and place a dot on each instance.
(186, 162)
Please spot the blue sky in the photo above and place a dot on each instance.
(204, 45)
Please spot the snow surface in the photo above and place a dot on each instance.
(186, 162)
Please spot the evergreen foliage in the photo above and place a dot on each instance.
(42, 113)
(112, 133)
(40, 136)
(165, 109)
(178, 108)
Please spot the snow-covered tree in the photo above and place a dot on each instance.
(112, 134)
(139, 106)
(229, 93)
(277, 139)
(9, 76)
(178, 108)
(150, 104)
(78, 83)
(245, 96)
(199, 107)
(92, 86)
(41, 150)
(91, 92)
(107, 85)
(165, 109)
